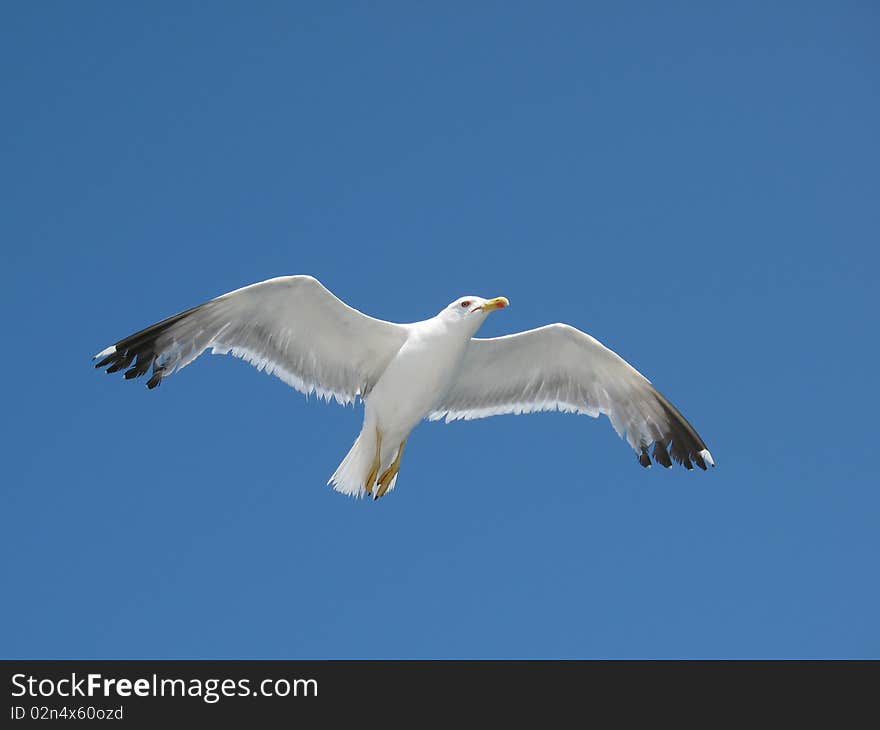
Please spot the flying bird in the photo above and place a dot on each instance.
(295, 328)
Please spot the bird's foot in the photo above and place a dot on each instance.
(388, 475)
(375, 466)
(371, 478)
(385, 480)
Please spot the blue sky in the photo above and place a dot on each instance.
(694, 185)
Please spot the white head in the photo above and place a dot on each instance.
(470, 311)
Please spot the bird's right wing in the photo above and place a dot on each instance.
(560, 368)
(291, 326)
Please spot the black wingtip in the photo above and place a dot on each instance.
(661, 455)
(683, 443)
(123, 362)
(145, 347)
(143, 359)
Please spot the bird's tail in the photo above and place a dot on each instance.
(351, 474)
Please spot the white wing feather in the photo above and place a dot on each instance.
(560, 368)
(290, 326)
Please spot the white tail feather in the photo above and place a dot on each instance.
(351, 474)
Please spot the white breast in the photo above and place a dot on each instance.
(416, 378)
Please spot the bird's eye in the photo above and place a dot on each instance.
(466, 303)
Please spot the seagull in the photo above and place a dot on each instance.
(295, 328)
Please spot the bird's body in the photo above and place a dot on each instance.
(295, 328)
(407, 391)
(416, 377)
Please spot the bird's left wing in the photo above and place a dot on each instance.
(291, 326)
(560, 368)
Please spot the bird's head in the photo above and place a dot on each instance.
(472, 310)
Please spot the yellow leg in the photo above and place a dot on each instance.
(374, 468)
(390, 472)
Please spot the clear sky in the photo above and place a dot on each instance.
(694, 185)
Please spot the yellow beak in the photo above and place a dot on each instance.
(496, 303)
